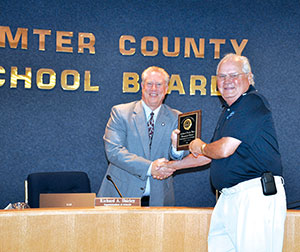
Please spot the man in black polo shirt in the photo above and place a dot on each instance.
(244, 147)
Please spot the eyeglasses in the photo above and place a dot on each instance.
(157, 85)
(232, 76)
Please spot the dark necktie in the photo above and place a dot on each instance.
(150, 124)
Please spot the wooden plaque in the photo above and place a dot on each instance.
(189, 125)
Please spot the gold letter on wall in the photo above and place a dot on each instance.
(144, 50)
(14, 77)
(40, 79)
(13, 42)
(191, 42)
(166, 51)
(89, 45)
(217, 43)
(179, 87)
(130, 83)
(238, 49)
(64, 80)
(122, 49)
(60, 41)
(2, 71)
(194, 87)
(42, 37)
(213, 86)
(87, 82)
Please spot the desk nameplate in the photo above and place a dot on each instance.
(110, 201)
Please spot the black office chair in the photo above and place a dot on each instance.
(54, 182)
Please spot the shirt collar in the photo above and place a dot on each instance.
(148, 111)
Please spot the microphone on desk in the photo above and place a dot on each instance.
(110, 179)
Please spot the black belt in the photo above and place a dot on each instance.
(145, 200)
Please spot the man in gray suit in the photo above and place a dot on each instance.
(135, 158)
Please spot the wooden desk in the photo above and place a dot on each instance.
(117, 229)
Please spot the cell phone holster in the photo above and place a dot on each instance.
(268, 184)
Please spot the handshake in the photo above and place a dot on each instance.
(162, 169)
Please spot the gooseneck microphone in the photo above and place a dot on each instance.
(110, 179)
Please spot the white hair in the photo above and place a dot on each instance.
(155, 69)
(246, 68)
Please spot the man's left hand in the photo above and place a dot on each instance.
(195, 147)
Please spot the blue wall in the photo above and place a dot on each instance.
(55, 130)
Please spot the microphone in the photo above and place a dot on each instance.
(110, 179)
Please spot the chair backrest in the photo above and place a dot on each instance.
(55, 182)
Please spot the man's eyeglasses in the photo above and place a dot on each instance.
(232, 76)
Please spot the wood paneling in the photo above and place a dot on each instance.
(117, 229)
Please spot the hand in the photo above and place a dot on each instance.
(160, 170)
(195, 147)
(174, 136)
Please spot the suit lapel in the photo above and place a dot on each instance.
(141, 125)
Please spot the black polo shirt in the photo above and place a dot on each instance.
(249, 120)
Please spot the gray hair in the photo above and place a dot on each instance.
(246, 65)
(155, 69)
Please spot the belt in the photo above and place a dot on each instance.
(249, 184)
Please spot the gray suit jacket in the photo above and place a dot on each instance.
(127, 148)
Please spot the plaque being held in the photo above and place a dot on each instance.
(189, 125)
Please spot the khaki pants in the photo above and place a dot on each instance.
(245, 220)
